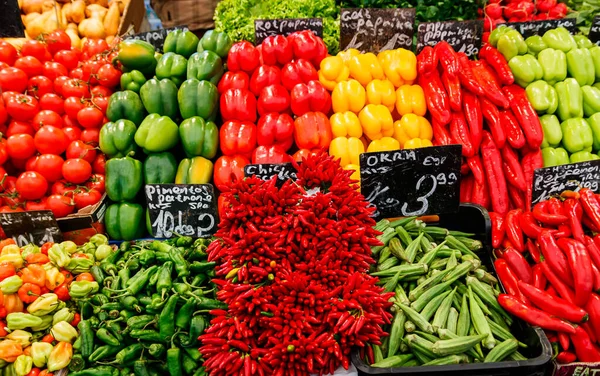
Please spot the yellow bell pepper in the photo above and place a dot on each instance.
(356, 174)
(345, 124)
(332, 71)
(11, 249)
(384, 144)
(365, 68)
(15, 259)
(412, 126)
(348, 55)
(399, 66)
(348, 96)
(197, 170)
(381, 92)
(416, 143)
(410, 99)
(347, 150)
(376, 121)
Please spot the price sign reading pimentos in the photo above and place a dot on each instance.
(463, 36)
(530, 28)
(412, 181)
(37, 227)
(374, 30)
(551, 181)
(283, 171)
(594, 34)
(285, 26)
(157, 37)
(185, 209)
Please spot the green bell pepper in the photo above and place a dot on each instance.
(591, 100)
(116, 139)
(581, 66)
(508, 41)
(173, 67)
(199, 137)
(526, 69)
(583, 41)
(582, 156)
(138, 55)
(535, 45)
(132, 80)
(198, 98)
(552, 131)
(570, 101)
(555, 157)
(542, 96)
(123, 178)
(577, 135)
(125, 105)
(205, 65)
(160, 168)
(594, 123)
(595, 52)
(181, 42)
(160, 97)
(197, 170)
(215, 41)
(157, 133)
(559, 39)
(124, 221)
(554, 64)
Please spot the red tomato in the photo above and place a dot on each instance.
(39, 86)
(91, 136)
(53, 102)
(101, 91)
(31, 185)
(11, 209)
(52, 70)
(109, 76)
(22, 107)
(79, 149)
(58, 40)
(77, 73)
(90, 69)
(101, 102)
(20, 146)
(97, 182)
(11, 196)
(3, 153)
(30, 164)
(49, 166)
(3, 113)
(73, 132)
(61, 206)
(99, 165)
(73, 105)
(8, 53)
(63, 187)
(19, 127)
(13, 79)
(47, 117)
(30, 65)
(36, 49)
(36, 205)
(77, 170)
(59, 83)
(76, 88)
(92, 47)
(6, 95)
(86, 198)
(50, 140)
(3, 65)
(90, 117)
(68, 58)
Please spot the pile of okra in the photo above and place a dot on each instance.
(152, 306)
(445, 307)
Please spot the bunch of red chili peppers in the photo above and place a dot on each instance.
(477, 104)
(271, 98)
(291, 265)
(560, 291)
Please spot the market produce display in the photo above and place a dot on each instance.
(38, 313)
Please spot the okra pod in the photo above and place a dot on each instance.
(486, 295)
(387, 264)
(391, 284)
(501, 351)
(436, 232)
(420, 303)
(378, 355)
(396, 333)
(502, 333)
(453, 242)
(404, 236)
(402, 221)
(480, 323)
(393, 361)
(433, 305)
(472, 244)
(452, 261)
(409, 326)
(382, 225)
(464, 318)
(452, 319)
(448, 360)
(384, 238)
(384, 255)
(395, 247)
(441, 315)
(429, 283)
(430, 256)
(417, 319)
(420, 344)
(401, 296)
(405, 270)
(457, 345)
(447, 334)
(426, 243)
(413, 248)
(517, 356)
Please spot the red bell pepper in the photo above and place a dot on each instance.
(581, 267)
(238, 104)
(270, 154)
(233, 80)
(310, 97)
(306, 45)
(312, 130)
(237, 138)
(273, 98)
(243, 56)
(276, 50)
(276, 130)
(228, 168)
(264, 76)
(297, 72)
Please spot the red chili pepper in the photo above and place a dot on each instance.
(492, 118)
(555, 257)
(561, 289)
(492, 162)
(513, 229)
(563, 340)
(525, 114)
(467, 77)
(553, 304)
(452, 86)
(509, 280)
(512, 168)
(497, 229)
(574, 213)
(539, 280)
(584, 348)
(593, 309)
(427, 61)
(542, 214)
(587, 223)
(581, 267)
(459, 131)
(472, 110)
(497, 61)
(530, 226)
(565, 357)
(534, 316)
(518, 264)
(590, 205)
(436, 97)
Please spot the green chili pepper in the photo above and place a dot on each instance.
(199, 279)
(184, 315)
(162, 257)
(124, 277)
(98, 274)
(146, 257)
(86, 309)
(139, 281)
(206, 303)
(166, 322)
(103, 335)
(163, 284)
(104, 352)
(145, 300)
(146, 335)
(108, 264)
(125, 372)
(110, 306)
(193, 353)
(189, 365)
(97, 371)
(133, 264)
(87, 338)
(181, 266)
(181, 288)
(129, 354)
(157, 350)
(99, 299)
(200, 267)
(131, 303)
(126, 315)
(77, 363)
(94, 321)
(197, 325)
(140, 368)
(103, 316)
(174, 361)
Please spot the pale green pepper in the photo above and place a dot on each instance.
(44, 305)
(11, 284)
(64, 332)
(40, 351)
(19, 320)
(59, 256)
(64, 314)
(23, 365)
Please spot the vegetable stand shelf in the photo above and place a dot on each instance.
(474, 219)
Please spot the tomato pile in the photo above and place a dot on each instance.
(52, 107)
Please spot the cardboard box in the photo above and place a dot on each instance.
(81, 226)
(195, 14)
(132, 17)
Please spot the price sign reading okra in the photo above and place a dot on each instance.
(594, 34)
(37, 227)
(530, 28)
(552, 181)
(285, 26)
(184, 209)
(463, 36)
(412, 182)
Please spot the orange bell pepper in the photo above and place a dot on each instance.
(10, 350)
(312, 130)
(37, 258)
(35, 274)
(12, 303)
(225, 167)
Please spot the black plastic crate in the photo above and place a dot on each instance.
(475, 219)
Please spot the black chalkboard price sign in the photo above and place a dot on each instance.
(464, 36)
(185, 209)
(530, 28)
(551, 181)
(285, 26)
(283, 171)
(594, 34)
(374, 30)
(37, 227)
(10, 19)
(412, 181)
(157, 37)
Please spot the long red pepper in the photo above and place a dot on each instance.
(512, 129)
(596, 275)
(466, 188)
(563, 340)
(593, 309)
(492, 118)
(587, 222)
(436, 97)
(534, 316)
(584, 348)
(539, 280)
(525, 115)
(513, 229)
(555, 258)
(561, 289)
(441, 135)
(447, 58)
(481, 194)
(452, 86)
(553, 304)
(574, 213)
(581, 268)
(593, 249)
(565, 357)
(476, 167)
(509, 280)
(486, 78)
(534, 250)
(518, 264)
(459, 131)
(531, 161)
(517, 198)
(472, 110)
(542, 214)
(467, 77)
(497, 229)
(555, 206)
(564, 231)
(590, 205)
(497, 61)
(530, 226)
(492, 162)
(427, 61)
(512, 168)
